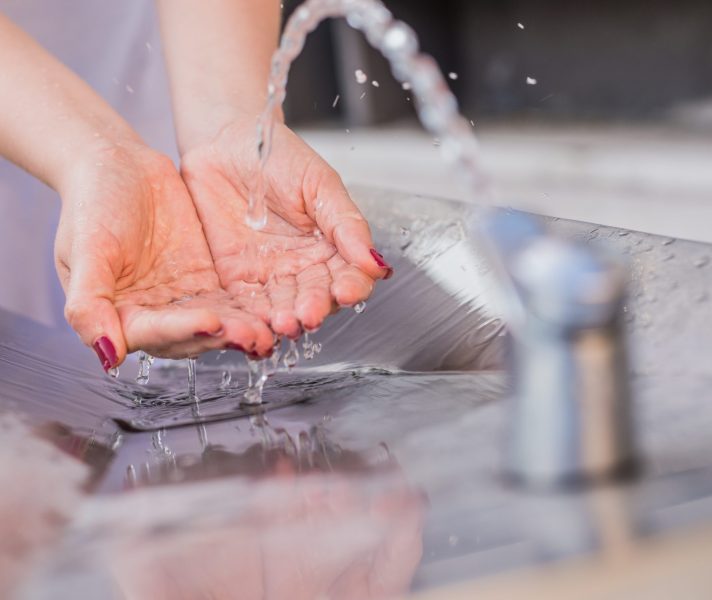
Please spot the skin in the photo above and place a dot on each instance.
(155, 261)
(218, 57)
(300, 537)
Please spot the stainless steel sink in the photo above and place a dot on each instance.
(405, 405)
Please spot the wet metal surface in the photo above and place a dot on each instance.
(379, 472)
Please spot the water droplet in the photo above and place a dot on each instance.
(453, 540)
(406, 86)
(702, 261)
(362, 96)
(359, 307)
(623, 233)
(531, 81)
(291, 357)
(520, 25)
(452, 75)
(129, 89)
(144, 367)
(668, 241)
(113, 372)
(361, 77)
(375, 84)
(336, 101)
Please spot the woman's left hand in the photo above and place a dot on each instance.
(315, 252)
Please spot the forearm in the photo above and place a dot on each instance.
(218, 56)
(49, 118)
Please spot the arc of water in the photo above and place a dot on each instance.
(436, 105)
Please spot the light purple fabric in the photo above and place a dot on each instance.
(115, 47)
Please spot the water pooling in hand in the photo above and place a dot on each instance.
(436, 106)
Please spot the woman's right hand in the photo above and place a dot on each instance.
(132, 258)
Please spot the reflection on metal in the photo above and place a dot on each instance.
(437, 401)
(571, 419)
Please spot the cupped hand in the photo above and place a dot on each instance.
(315, 252)
(135, 266)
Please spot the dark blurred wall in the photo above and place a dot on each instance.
(601, 58)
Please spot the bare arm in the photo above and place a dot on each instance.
(49, 118)
(218, 55)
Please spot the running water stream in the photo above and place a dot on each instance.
(436, 106)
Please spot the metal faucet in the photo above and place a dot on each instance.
(570, 421)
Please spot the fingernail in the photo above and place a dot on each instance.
(253, 355)
(106, 352)
(235, 347)
(381, 262)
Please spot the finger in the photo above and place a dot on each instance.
(313, 301)
(162, 331)
(90, 309)
(283, 320)
(331, 207)
(350, 284)
(247, 334)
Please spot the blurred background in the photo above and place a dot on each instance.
(637, 59)
(592, 111)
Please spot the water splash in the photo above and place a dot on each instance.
(310, 348)
(436, 105)
(225, 380)
(359, 307)
(256, 378)
(113, 372)
(144, 367)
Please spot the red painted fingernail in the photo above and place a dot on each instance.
(235, 347)
(381, 262)
(106, 352)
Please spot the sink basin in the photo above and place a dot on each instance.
(399, 418)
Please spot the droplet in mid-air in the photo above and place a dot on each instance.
(291, 357)
(359, 307)
(144, 367)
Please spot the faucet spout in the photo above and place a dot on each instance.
(570, 420)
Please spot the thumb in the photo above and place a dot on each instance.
(90, 309)
(342, 223)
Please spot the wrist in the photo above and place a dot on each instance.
(101, 157)
(203, 122)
